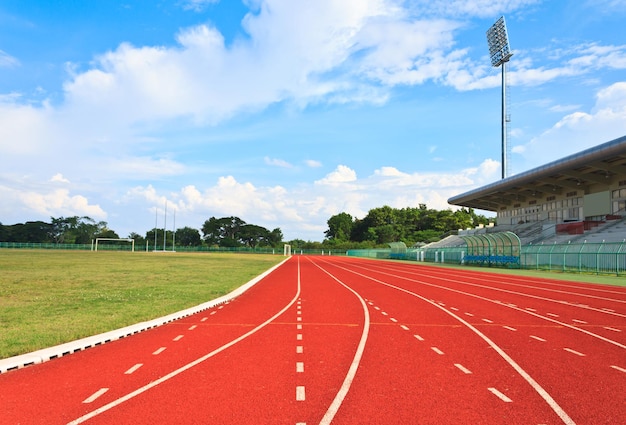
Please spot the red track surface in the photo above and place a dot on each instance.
(351, 341)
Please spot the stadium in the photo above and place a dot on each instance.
(566, 215)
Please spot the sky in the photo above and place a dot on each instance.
(286, 112)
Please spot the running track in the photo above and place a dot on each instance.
(352, 341)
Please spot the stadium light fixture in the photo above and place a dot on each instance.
(500, 53)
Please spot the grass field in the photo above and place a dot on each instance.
(51, 297)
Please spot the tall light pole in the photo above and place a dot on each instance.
(500, 53)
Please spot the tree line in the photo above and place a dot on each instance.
(221, 232)
(378, 228)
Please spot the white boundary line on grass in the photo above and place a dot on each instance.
(46, 354)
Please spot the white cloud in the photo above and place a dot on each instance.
(579, 130)
(277, 162)
(58, 178)
(342, 174)
(59, 202)
(311, 163)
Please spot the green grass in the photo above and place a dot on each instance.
(51, 297)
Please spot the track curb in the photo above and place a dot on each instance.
(46, 354)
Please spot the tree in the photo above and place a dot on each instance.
(340, 227)
(188, 236)
(252, 235)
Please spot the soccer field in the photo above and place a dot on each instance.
(51, 297)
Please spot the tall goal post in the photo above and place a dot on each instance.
(286, 250)
(115, 239)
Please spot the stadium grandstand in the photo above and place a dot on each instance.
(567, 215)
(579, 197)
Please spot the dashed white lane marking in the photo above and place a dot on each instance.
(621, 369)
(178, 338)
(610, 310)
(300, 396)
(377, 308)
(463, 368)
(579, 321)
(487, 321)
(406, 328)
(469, 314)
(384, 313)
(299, 326)
(299, 337)
(299, 349)
(537, 338)
(393, 320)
(437, 350)
(299, 319)
(569, 350)
(608, 328)
(501, 396)
(419, 338)
(509, 328)
(95, 395)
(191, 328)
(133, 369)
(220, 307)
(159, 351)
(552, 314)
(454, 309)
(530, 309)
(299, 367)
(298, 312)
(204, 319)
(213, 312)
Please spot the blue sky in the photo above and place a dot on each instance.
(286, 112)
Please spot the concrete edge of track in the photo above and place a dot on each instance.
(46, 354)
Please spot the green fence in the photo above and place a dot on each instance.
(597, 258)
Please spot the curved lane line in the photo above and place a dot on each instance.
(529, 379)
(514, 307)
(347, 382)
(188, 365)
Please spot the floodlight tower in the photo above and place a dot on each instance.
(500, 53)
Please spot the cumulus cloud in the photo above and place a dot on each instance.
(277, 162)
(59, 202)
(58, 178)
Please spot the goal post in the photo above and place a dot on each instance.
(286, 250)
(132, 241)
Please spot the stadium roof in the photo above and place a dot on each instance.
(598, 165)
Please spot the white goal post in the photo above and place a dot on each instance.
(115, 239)
(286, 250)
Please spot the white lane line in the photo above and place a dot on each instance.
(299, 337)
(298, 312)
(370, 303)
(454, 308)
(299, 319)
(469, 314)
(509, 328)
(299, 367)
(203, 319)
(299, 326)
(530, 309)
(487, 321)
(463, 368)
(188, 366)
(500, 395)
(393, 320)
(537, 338)
(133, 369)
(406, 328)
(419, 338)
(159, 351)
(608, 328)
(552, 314)
(377, 308)
(213, 312)
(95, 395)
(220, 307)
(299, 349)
(569, 350)
(579, 321)
(191, 328)
(300, 396)
(178, 338)
(437, 350)
(610, 310)
(621, 369)
(384, 313)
